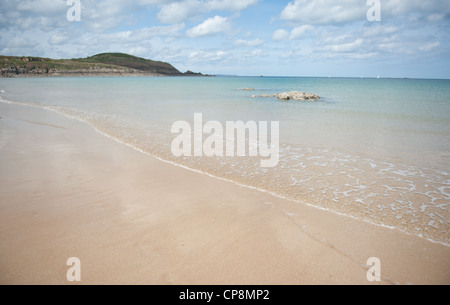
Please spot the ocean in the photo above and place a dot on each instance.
(373, 149)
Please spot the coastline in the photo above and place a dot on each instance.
(95, 74)
(83, 74)
(69, 191)
(100, 65)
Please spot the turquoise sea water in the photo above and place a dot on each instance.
(375, 149)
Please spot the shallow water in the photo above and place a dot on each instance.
(374, 149)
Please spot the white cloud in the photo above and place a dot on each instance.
(249, 43)
(234, 5)
(380, 30)
(139, 51)
(300, 31)
(279, 35)
(404, 7)
(353, 55)
(344, 11)
(21, 42)
(254, 53)
(210, 26)
(142, 34)
(42, 7)
(430, 46)
(181, 11)
(104, 15)
(200, 56)
(324, 11)
(347, 47)
(59, 39)
(178, 11)
(296, 33)
(362, 55)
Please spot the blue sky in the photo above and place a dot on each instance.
(242, 37)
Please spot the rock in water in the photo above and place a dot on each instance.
(297, 96)
(292, 95)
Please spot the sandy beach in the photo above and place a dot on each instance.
(68, 191)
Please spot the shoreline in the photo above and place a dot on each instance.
(250, 228)
(249, 186)
(280, 196)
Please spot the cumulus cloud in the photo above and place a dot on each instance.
(380, 31)
(296, 33)
(42, 7)
(59, 39)
(21, 42)
(301, 31)
(280, 34)
(209, 56)
(29, 14)
(345, 11)
(405, 7)
(181, 11)
(346, 47)
(249, 43)
(324, 11)
(329, 30)
(103, 15)
(210, 26)
(144, 33)
(178, 11)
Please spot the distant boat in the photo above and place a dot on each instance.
(378, 77)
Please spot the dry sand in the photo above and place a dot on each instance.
(67, 191)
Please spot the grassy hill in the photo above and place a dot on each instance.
(31, 64)
(100, 64)
(133, 62)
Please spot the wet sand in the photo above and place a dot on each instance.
(68, 191)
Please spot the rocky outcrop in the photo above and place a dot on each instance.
(190, 73)
(292, 95)
(297, 96)
(14, 71)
